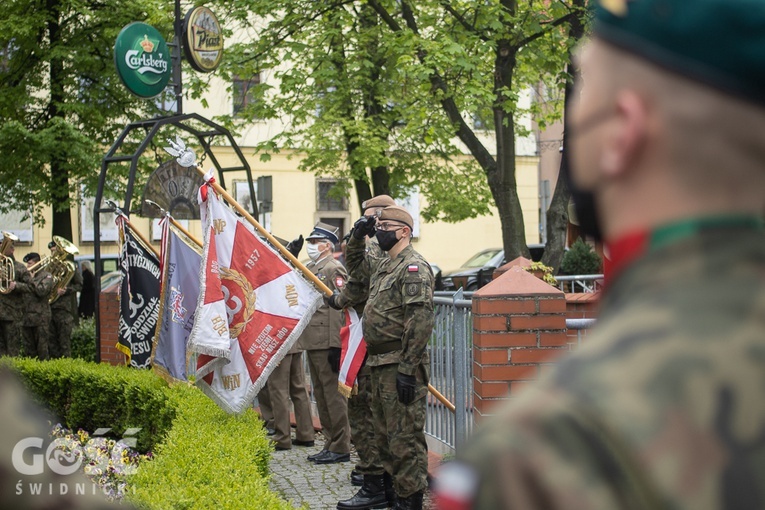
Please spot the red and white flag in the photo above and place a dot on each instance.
(354, 348)
(252, 307)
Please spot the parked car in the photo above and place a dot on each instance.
(477, 271)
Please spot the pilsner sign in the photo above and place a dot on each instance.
(143, 60)
(203, 44)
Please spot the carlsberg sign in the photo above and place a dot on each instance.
(143, 60)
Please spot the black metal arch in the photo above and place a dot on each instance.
(182, 121)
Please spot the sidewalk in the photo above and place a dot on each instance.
(317, 486)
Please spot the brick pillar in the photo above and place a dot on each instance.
(519, 328)
(108, 316)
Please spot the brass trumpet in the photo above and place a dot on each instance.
(61, 269)
(7, 271)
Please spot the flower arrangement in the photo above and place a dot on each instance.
(104, 461)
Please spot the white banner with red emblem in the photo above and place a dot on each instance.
(252, 307)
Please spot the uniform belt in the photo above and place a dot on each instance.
(393, 345)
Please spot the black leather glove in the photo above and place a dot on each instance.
(332, 301)
(364, 226)
(295, 246)
(405, 386)
(334, 359)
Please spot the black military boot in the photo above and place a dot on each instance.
(413, 502)
(371, 496)
(390, 492)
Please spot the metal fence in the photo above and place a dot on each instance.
(451, 369)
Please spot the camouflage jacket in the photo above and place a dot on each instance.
(356, 291)
(12, 304)
(68, 301)
(398, 316)
(663, 406)
(323, 331)
(36, 306)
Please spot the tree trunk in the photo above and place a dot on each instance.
(557, 214)
(60, 199)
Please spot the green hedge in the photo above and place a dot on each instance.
(203, 457)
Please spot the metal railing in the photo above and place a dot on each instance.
(580, 282)
(451, 369)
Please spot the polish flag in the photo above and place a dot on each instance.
(353, 351)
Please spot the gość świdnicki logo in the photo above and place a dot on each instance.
(143, 60)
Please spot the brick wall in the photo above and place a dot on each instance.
(519, 330)
(108, 316)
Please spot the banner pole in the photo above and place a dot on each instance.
(241, 210)
(146, 243)
(185, 232)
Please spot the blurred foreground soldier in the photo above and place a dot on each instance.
(37, 310)
(321, 341)
(663, 408)
(22, 423)
(369, 472)
(11, 297)
(64, 313)
(398, 322)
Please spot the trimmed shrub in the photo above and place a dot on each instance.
(203, 457)
(84, 340)
(581, 259)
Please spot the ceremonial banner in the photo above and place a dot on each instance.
(252, 307)
(181, 262)
(139, 296)
(354, 349)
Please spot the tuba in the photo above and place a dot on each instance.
(61, 269)
(7, 271)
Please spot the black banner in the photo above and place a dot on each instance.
(139, 298)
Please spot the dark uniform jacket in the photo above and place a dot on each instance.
(323, 331)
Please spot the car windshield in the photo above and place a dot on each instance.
(482, 258)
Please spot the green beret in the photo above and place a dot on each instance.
(718, 42)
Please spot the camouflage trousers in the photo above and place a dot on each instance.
(10, 338)
(61, 327)
(363, 427)
(36, 341)
(400, 431)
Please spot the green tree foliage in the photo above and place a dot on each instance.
(61, 101)
(386, 92)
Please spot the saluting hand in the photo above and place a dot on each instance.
(364, 226)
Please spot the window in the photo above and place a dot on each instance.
(326, 201)
(244, 92)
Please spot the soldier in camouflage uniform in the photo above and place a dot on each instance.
(663, 408)
(12, 307)
(369, 471)
(321, 341)
(37, 310)
(398, 322)
(64, 314)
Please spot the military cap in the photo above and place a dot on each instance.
(397, 213)
(31, 256)
(378, 201)
(325, 231)
(718, 42)
(51, 244)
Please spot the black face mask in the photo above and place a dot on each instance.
(584, 201)
(387, 239)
